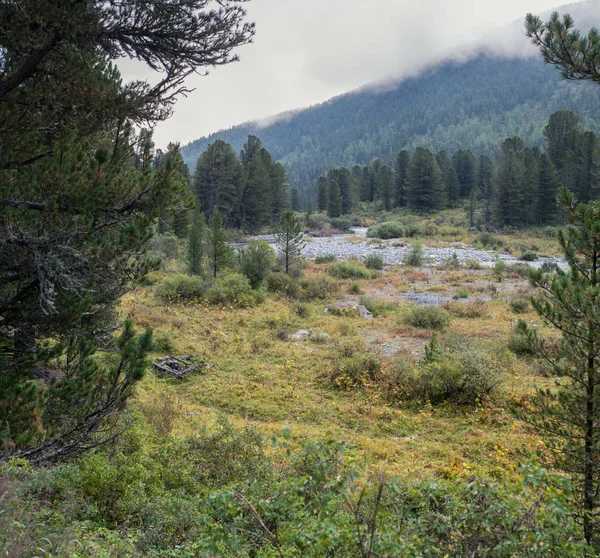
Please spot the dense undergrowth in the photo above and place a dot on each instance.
(235, 461)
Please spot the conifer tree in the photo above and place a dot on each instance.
(279, 191)
(400, 174)
(509, 183)
(464, 165)
(452, 186)
(334, 205)
(562, 136)
(322, 194)
(547, 191)
(295, 200)
(485, 184)
(425, 191)
(195, 251)
(346, 185)
(216, 181)
(220, 254)
(570, 414)
(587, 167)
(255, 202)
(289, 239)
(386, 186)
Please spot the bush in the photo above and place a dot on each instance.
(519, 344)
(255, 261)
(318, 221)
(415, 256)
(355, 287)
(519, 304)
(463, 377)
(519, 269)
(341, 223)
(327, 258)
(461, 293)
(378, 306)
(354, 372)
(528, 256)
(348, 270)
(180, 288)
(429, 317)
(233, 289)
(469, 310)
(499, 268)
(488, 240)
(282, 283)
(318, 288)
(390, 229)
(165, 246)
(374, 261)
(549, 267)
(473, 264)
(162, 343)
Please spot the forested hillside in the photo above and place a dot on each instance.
(472, 105)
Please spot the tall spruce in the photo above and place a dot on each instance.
(425, 190)
(509, 182)
(485, 184)
(195, 249)
(400, 175)
(546, 204)
(334, 204)
(463, 162)
(220, 254)
(569, 415)
(289, 239)
(216, 181)
(322, 194)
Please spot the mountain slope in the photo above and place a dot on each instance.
(474, 105)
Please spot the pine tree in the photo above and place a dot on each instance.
(334, 205)
(255, 202)
(587, 167)
(322, 194)
(425, 191)
(195, 255)
(220, 254)
(509, 183)
(295, 200)
(570, 413)
(309, 213)
(562, 136)
(400, 174)
(531, 177)
(472, 207)
(346, 185)
(485, 183)
(279, 191)
(216, 181)
(464, 165)
(386, 186)
(546, 193)
(452, 187)
(289, 239)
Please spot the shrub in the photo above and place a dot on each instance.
(499, 268)
(374, 261)
(341, 223)
(378, 306)
(412, 229)
(282, 283)
(354, 372)
(488, 240)
(162, 343)
(233, 289)
(473, 264)
(464, 376)
(519, 344)
(519, 304)
(327, 258)
(549, 267)
(519, 269)
(355, 287)
(318, 221)
(301, 310)
(348, 270)
(452, 263)
(462, 293)
(255, 261)
(318, 288)
(415, 256)
(429, 317)
(528, 256)
(179, 288)
(165, 246)
(390, 229)
(469, 310)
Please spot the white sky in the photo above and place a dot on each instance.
(306, 51)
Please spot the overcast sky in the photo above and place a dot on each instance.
(306, 51)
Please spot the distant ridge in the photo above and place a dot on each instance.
(472, 104)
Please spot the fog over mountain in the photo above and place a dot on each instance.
(482, 92)
(307, 52)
